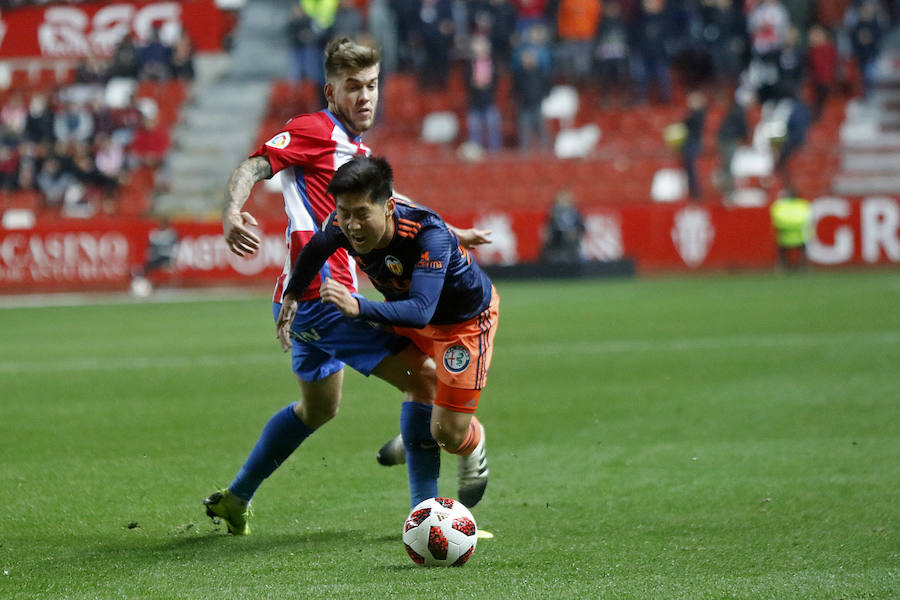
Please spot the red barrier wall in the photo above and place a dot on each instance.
(100, 254)
(77, 30)
(678, 236)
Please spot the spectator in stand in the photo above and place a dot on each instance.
(53, 181)
(408, 37)
(724, 34)
(9, 166)
(150, 144)
(40, 120)
(92, 71)
(795, 136)
(576, 26)
(612, 51)
(822, 59)
(124, 61)
(182, 66)
(530, 12)
(651, 59)
(732, 131)
(866, 24)
(308, 38)
(14, 117)
(501, 16)
(30, 161)
(532, 79)
(437, 31)
(382, 23)
(84, 168)
(791, 65)
(768, 24)
(154, 58)
(104, 120)
(693, 143)
(348, 20)
(483, 116)
(126, 121)
(801, 14)
(110, 161)
(73, 124)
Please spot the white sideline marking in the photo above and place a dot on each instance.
(164, 362)
(164, 296)
(708, 343)
(192, 361)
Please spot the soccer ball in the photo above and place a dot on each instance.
(440, 532)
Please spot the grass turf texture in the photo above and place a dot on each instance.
(727, 437)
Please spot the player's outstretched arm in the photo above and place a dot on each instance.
(470, 238)
(235, 223)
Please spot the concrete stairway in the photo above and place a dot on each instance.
(870, 135)
(228, 98)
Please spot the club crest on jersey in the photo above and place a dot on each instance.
(457, 359)
(280, 141)
(394, 265)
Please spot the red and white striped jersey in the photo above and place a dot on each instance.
(304, 155)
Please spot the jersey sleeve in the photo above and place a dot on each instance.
(311, 258)
(425, 286)
(300, 142)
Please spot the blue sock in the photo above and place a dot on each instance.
(279, 438)
(423, 457)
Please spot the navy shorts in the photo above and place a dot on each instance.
(323, 341)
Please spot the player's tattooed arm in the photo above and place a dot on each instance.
(242, 180)
(239, 238)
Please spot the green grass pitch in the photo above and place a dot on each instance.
(715, 437)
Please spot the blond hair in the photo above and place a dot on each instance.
(344, 56)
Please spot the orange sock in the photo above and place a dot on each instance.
(473, 436)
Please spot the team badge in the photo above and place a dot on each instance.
(394, 265)
(456, 359)
(280, 141)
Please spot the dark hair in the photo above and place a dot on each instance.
(344, 56)
(363, 174)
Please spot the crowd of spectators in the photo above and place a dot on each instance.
(75, 147)
(77, 144)
(624, 51)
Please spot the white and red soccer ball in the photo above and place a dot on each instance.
(440, 532)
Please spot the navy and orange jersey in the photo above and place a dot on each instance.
(424, 274)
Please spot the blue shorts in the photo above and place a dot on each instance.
(323, 341)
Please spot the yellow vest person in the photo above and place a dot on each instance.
(791, 219)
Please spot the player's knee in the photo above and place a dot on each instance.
(448, 435)
(316, 414)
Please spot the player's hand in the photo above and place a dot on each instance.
(285, 318)
(337, 294)
(471, 238)
(239, 238)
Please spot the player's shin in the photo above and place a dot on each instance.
(423, 457)
(279, 438)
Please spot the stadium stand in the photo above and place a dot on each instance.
(630, 151)
(620, 169)
(135, 180)
(624, 142)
